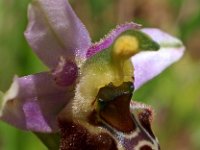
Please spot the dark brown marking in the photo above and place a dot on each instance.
(76, 137)
(146, 147)
(117, 114)
(145, 118)
(93, 119)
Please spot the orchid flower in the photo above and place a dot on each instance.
(86, 94)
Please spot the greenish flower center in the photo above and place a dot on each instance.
(113, 65)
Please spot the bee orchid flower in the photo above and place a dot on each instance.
(86, 94)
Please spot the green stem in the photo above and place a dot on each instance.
(51, 140)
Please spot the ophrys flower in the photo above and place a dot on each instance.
(86, 95)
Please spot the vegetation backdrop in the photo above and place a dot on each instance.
(174, 94)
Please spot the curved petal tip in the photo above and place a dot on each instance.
(149, 64)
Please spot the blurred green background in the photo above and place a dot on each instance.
(174, 94)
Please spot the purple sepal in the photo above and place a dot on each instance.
(33, 103)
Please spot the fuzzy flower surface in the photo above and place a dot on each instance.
(86, 94)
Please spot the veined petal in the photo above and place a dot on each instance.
(54, 30)
(148, 64)
(110, 38)
(33, 102)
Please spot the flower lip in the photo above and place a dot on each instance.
(145, 118)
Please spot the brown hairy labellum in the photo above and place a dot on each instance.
(111, 125)
(76, 137)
